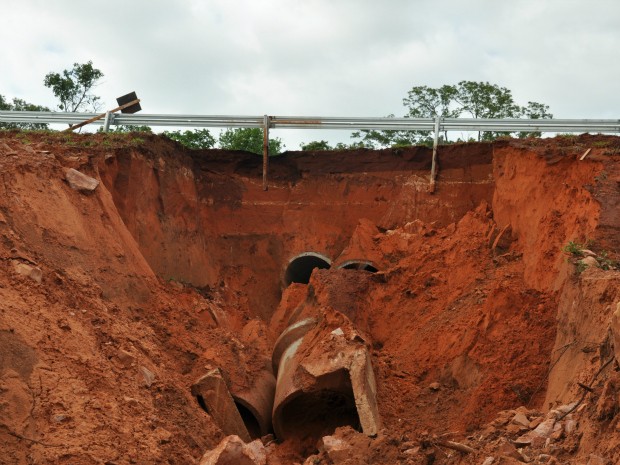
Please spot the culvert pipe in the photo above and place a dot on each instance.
(246, 413)
(325, 380)
(300, 267)
(364, 265)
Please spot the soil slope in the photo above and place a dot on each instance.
(114, 302)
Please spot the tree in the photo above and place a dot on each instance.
(21, 105)
(248, 139)
(73, 87)
(197, 139)
(315, 145)
(473, 99)
(535, 110)
(484, 100)
(131, 128)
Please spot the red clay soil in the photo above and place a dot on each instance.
(175, 265)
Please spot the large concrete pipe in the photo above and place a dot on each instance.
(300, 267)
(324, 379)
(364, 265)
(246, 413)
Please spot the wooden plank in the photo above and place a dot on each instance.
(95, 118)
(585, 154)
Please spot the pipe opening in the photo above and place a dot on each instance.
(250, 421)
(318, 413)
(359, 265)
(300, 268)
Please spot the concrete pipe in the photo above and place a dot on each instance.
(325, 380)
(300, 267)
(247, 413)
(364, 265)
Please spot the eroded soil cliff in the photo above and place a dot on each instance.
(114, 302)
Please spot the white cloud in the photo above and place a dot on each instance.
(316, 57)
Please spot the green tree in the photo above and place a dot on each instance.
(535, 110)
(196, 139)
(467, 98)
(315, 145)
(249, 140)
(131, 128)
(73, 88)
(484, 100)
(21, 105)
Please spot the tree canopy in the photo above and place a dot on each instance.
(21, 105)
(465, 99)
(248, 139)
(73, 87)
(196, 139)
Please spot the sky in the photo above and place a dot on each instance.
(315, 57)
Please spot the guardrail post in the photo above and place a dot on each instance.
(265, 150)
(434, 160)
(106, 121)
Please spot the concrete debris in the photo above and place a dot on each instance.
(148, 375)
(521, 419)
(30, 271)
(336, 448)
(80, 182)
(214, 396)
(233, 451)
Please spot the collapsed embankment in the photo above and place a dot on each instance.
(177, 264)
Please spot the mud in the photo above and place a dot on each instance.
(176, 264)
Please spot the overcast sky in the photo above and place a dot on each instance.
(316, 57)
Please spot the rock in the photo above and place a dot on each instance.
(336, 448)
(535, 422)
(233, 451)
(569, 426)
(125, 358)
(589, 261)
(587, 253)
(545, 429)
(32, 272)
(564, 409)
(508, 450)
(80, 182)
(434, 386)
(521, 419)
(488, 461)
(149, 376)
(534, 438)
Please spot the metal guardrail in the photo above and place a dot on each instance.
(435, 125)
(320, 122)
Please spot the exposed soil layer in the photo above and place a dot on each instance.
(114, 302)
